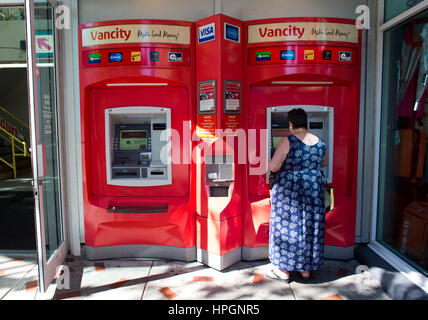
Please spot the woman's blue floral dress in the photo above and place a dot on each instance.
(297, 221)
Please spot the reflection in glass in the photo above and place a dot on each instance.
(402, 223)
(47, 126)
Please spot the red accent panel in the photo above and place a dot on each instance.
(219, 59)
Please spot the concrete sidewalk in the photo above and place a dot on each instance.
(165, 280)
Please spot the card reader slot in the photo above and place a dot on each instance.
(138, 209)
(126, 174)
(157, 173)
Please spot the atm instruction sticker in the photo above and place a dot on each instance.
(263, 55)
(288, 55)
(94, 58)
(345, 56)
(115, 57)
(326, 55)
(232, 32)
(309, 55)
(206, 33)
(207, 96)
(136, 56)
(175, 56)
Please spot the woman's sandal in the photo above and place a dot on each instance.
(278, 275)
(308, 277)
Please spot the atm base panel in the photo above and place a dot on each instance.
(219, 262)
(255, 253)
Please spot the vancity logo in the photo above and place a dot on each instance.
(290, 31)
(117, 33)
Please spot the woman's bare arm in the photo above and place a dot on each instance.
(325, 161)
(280, 155)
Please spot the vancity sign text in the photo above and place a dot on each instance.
(257, 33)
(135, 33)
(302, 31)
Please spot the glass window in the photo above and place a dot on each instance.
(394, 8)
(11, 14)
(403, 169)
(12, 35)
(47, 125)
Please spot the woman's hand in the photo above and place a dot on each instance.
(280, 155)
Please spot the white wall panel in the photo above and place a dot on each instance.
(256, 9)
(101, 10)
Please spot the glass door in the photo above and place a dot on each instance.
(42, 55)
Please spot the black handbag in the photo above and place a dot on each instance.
(272, 178)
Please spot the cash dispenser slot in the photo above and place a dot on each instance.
(219, 175)
(138, 209)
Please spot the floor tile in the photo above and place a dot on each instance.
(107, 280)
(177, 280)
(16, 272)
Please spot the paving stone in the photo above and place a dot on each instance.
(14, 270)
(26, 287)
(326, 282)
(234, 283)
(177, 280)
(107, 280)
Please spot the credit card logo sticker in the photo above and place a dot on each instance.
(115, 57)
(309, 54)
(175, 57)
(288, 55)
(345, 56)
(326, 55)
(231, 32)
(94, 58)
(154, 56)
(136, 56)
(263, 55)
(206, 33)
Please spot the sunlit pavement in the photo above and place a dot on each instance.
(176, 280)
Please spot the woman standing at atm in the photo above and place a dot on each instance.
(297, 222)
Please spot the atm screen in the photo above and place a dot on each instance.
(133, 140)
(278, 135)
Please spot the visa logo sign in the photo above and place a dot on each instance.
(206, 33)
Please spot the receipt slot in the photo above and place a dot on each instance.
(320, 123)
(219, 175)
(137, 152)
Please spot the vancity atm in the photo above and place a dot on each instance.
(167, 107)
(313, 64)
(137, 88)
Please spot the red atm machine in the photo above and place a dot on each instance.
(219, 131)
(137, 106)
(314, 64)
